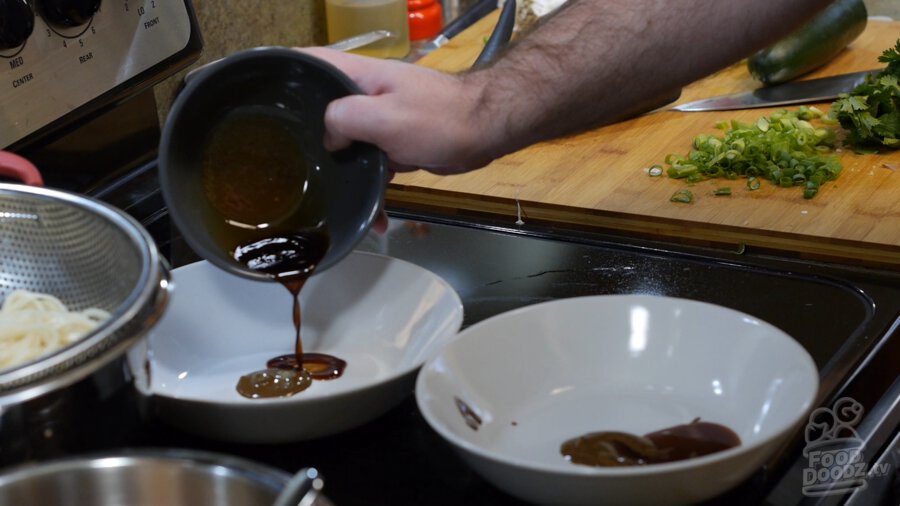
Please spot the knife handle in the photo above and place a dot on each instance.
(499, 36)
(466, 19)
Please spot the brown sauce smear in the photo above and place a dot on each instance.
(469, 415)
(264, 210)
(671, 444)
(273, 383)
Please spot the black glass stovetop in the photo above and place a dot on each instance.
(846, 317)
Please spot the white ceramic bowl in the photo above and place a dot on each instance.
(543, 374)
(384, 316)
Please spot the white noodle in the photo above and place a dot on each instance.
(34, 324)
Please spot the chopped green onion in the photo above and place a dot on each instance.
(785, 148)
(655, 170)
(683, 196)
(680, 171)
(722, 192)
(810, 189)
(695, 178)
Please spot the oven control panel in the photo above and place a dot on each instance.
(61, 58)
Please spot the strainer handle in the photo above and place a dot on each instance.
(15, 166)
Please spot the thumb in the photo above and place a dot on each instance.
(351, 118)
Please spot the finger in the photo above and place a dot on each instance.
(380, 225)
(359, 69)
(356, 117)
(334, 141)
(341, 122)
(339, 59)
(401, 167)
(381, 221)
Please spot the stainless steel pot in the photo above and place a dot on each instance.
(87, 254)
(149, 478)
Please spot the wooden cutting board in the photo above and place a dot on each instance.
(598, 179)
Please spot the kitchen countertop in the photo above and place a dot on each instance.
(597, 180)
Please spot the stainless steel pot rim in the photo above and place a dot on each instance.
(221, 464)
(147, 300)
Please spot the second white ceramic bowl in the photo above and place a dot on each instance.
(543, 374)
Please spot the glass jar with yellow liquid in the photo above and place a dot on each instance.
(347, 18)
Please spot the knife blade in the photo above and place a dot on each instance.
(795, 92)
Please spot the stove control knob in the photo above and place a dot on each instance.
(68, 12)
(16, 23)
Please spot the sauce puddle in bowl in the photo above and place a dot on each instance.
(681, 442)
(256, 178)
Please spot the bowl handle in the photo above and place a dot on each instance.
(15, 166)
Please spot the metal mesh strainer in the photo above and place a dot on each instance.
(87, 254)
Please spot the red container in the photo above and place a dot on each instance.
(426, 19)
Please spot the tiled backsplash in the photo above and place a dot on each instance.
(231, 25)
(889, 8)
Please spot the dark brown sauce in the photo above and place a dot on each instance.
(320, 366)
(264, 211)
(671, 444)
(273, 383)
(469, 415)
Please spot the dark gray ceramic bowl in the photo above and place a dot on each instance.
(350, 183)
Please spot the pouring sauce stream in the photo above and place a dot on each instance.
(264, 211)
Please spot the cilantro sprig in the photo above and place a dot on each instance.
(871, 112)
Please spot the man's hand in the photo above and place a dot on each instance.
(422, 119)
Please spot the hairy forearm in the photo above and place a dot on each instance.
(597, 61)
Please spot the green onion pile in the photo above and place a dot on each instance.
(784, 148)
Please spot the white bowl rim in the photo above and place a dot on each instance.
(601, 471)
(299, 399)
